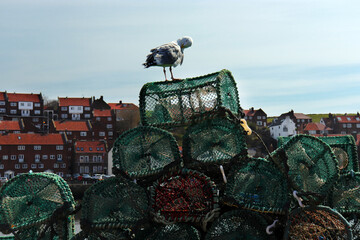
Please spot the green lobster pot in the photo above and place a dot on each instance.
(178, 102)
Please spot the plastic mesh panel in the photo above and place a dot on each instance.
(179, 102)
(238, 224)
(258, 185)
(317, 223)
(145, 151)
(32, 199)
(345, 197)
(113, 203)
(214, 141)
(108, 234)
(184, 196)
(310, 166)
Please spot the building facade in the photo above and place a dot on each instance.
(258, 117)
(282, 128)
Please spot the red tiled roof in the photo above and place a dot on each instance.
(249, 113)
(71, 126)
(65, 102)
(31, 139)
(315, 127)
(95, 147)
(23, 97)
(348, 119)
(9, 125)
(102, 113)
(301, 116)
(116, 106)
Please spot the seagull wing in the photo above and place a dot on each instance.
(169, 54)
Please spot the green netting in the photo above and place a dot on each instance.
(179, 102)
(145, 151)
(345, 197)
(258, 185)
(178, 231)
(112, 204)
(184, 196)
(239, 225)
(344, 148)
(309, 165)
(354, 222)
(318, 222)
(217, 140)
(37, 203)
(106, 234)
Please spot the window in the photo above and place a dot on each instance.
(1, 166)
(44, 157)
(25, 113)
(0, 147)
(37, 104)
(109, 119)
(64, 115)
(24, 166)
(13, 104)
(95, 169)
(87, 116)
(87, 108)
(17, 166)
(99, 168)
(94, 159)
(5, 157)
(110, 133)
(2, 103)
(52, 157)
(349, 125)
(264, 117)
(35, 119)
(33, 165)
(37, 147)
(2, 110)
(13, 157)
(63, 108)
(21, 157)
(97, 119)
(56, 165)
(87, 159)
(40, 165)
(61, 174)
(83, 134)
(13, 111)
(109, 125)
(357, 125)
(37, 158)
(63, 165)
(285, 129)
(90, 148)
(21, 147)
(59, 157)
(99, 158)
(59, 147)
(81, 159)
(344, 125)
(101, 134)
(37, 112)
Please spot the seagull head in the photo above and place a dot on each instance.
(185, 42)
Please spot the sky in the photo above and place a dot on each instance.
(300, 55)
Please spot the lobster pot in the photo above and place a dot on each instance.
(114, 203)
(318, 222)
(177, 231)
(35, 204)
(345, 197)
(179, 102)
(344, 148)
(309, 165)
(257, 185)
(239, 224)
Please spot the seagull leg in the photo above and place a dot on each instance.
(172, 77)
(165, 74)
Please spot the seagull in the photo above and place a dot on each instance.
(168, 55)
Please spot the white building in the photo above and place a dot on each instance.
(282, 128)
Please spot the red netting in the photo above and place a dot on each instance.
(184, 196)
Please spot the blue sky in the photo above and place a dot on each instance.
(284, 54)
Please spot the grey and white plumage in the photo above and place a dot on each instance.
(168, 55)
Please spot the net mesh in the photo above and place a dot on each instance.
(239, 224)
(145, 151)
(36, 202)
(218, 140)
(344, 148)
(345, 197)
(105, 234)
(179, 102)
(317, 223)
(184, 196)
(309, 165)
(178, 231)
(258, 185)
(113, 203)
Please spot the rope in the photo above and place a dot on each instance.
(209, 216)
